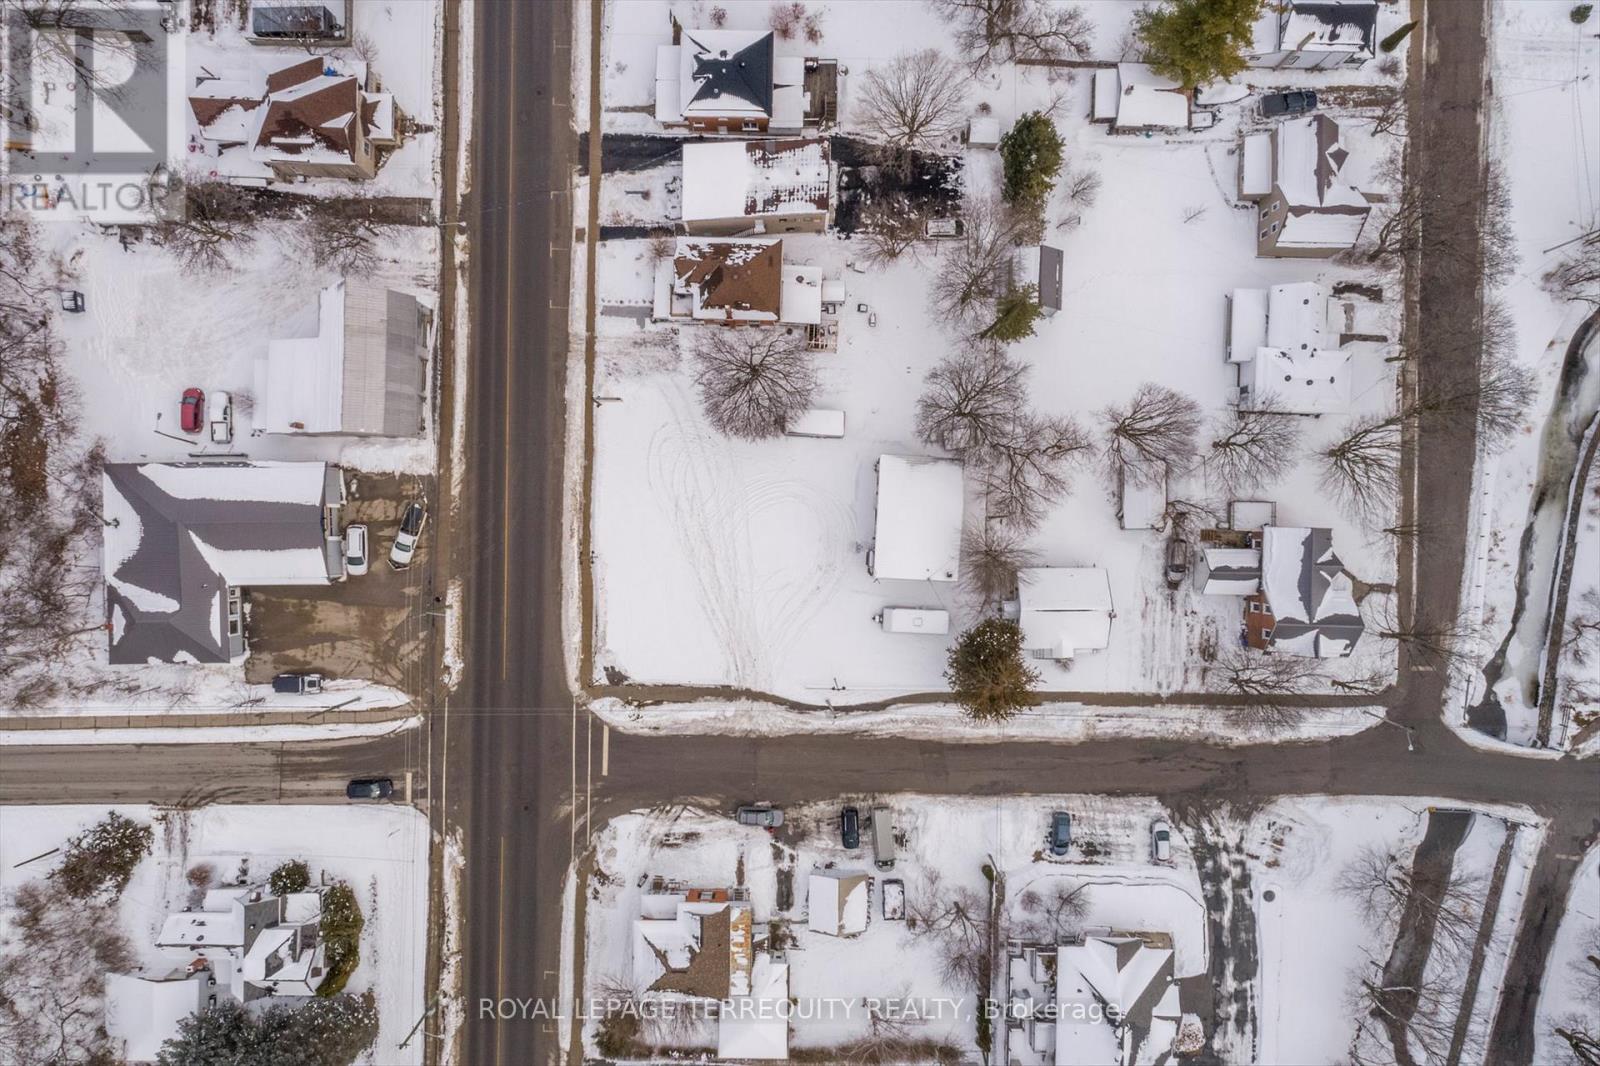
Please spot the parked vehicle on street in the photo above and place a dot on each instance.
(355, 550)
(369, 788)
(764, 815)
(1160, 841)
(295, 684)
(1060, 833)
(405, 541)
(1291, 103)
(883, 838)
(221, 405)
(192, 411)
(1177, 562)
(894, 900)
(850, 828)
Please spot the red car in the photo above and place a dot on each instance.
(193, 412)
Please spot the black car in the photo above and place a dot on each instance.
(850, 828)
(369, 788)
(1293, 103)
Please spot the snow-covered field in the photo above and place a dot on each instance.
(727, 562)
(1570, 995)
(943, 846)
(1546, 76)
(381, 851)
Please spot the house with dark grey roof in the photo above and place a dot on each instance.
(362, 374)
(184, 540)
(1314, 34)
(1306, 604)
(1041, 266)
(276, 21)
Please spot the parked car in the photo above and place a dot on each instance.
(1160, 841)
(221, 405)
(1292, 103)
(355, 550)
(405, 541)
(295, 684)
(1060, 833)
(894, 900)
(763, 814)
(1177, 562)
(850, 828)
(369, 788)
(192, 412)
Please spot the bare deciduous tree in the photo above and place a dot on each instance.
(957, 919)
(1053, 914)
(1008, 31)
(54, 958)
(1257, 675)
(343, 242)
(216, 222)
(970, 398)
(890, 227)
(973, 269)
(915, 102)
(1026, 468)
(1082, 187)
(1419, 1014)
(1437, 640)
(1576, 275)
(1158, 425)
(752, 381)
(1384, 885)
(1361, 469)
(1251, 446)
(991, 556)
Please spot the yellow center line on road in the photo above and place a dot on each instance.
(510, 363)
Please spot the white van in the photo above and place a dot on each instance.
(883, 838)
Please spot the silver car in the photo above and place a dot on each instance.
(762, 814)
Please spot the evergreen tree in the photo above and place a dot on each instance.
(1197, 41)
(1031, 153)
(318, 1032)
(290, 877)
(341, 936)
(1015, 315)
(987, 673)
(100, 861)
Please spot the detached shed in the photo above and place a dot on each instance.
(917, 530)
(837, 902)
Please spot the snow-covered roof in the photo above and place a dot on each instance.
(700, 947)
(1311, 598)
(361, 374)
(836, 902)
(801, 302)
(1317, 229)
(1309, 161)
(789, 97)
(1230, 571)
(715, 74)
(184, 533)
(757, 1026)
(732, 280)
(1064, 609)
(1103, 983)
(756, 179)
(1329, 26)
(917, 535)
(144, 1012)
(1247, 323)
(1296, 365)
(1143, 500)
(1255, 164)
(1251, 514)
(1302, 382)
(1135, 97)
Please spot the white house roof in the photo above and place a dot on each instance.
(801, 300)
(1064, 609)
(1133, 96)
(836, 901)
(1310, 158)
(917, 535)
(144, 1012)
(1247, 324)
(1106, 978)
(300, 382)
(1231, 571)
(757, 1026)
(752, 179)
(1315, 229)
(1306, 382)
(1297, 363)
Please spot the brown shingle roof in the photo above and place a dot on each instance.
(735, 276)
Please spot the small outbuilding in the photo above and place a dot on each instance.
(837, 902)
(1064, 610)
(917, 529)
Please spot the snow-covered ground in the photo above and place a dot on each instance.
(1546, 77)
(381, 851)
(940, 842)
(749, 558)
(1569, 998)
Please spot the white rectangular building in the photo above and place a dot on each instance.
(917, 530)
(1064, 610)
